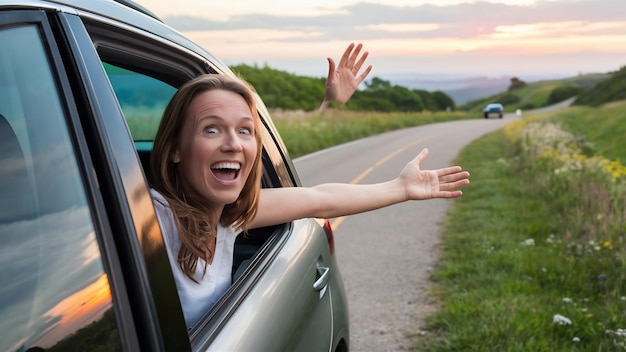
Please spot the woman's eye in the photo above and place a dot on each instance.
(245, 130)
(211, 130)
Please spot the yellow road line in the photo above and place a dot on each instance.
(337, 221)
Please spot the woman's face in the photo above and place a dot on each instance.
(217, 146)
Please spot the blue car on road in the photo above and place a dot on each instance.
(493, 109)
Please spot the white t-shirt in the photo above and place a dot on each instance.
(197, 298)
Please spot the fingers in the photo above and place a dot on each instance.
(454, 177)
(448, 186)
(452, 194)
(449, 170)
(346, 56)
(362, 76)
(421, 156)
(331, 70)
(359, 63)
(354, 56)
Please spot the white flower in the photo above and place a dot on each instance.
(561, 320)
(567, 300)
(528, 242)
(576, 339)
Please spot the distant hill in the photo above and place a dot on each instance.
(539, 94)
(434, 92)
(609, 90)
(460, 88)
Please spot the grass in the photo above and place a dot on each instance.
(303, 134)
(537, 239)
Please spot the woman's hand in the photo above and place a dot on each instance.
(426, 184)
(343, 80)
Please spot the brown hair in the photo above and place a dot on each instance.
(193, 218)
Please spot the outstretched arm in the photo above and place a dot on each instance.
(343, 80)
(279, 205)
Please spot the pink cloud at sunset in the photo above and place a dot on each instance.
(417, 36)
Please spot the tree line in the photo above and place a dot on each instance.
(287, 91)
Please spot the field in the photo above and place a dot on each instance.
(532, 257)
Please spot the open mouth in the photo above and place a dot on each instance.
(226, 171)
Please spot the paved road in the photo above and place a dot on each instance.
(386, 256)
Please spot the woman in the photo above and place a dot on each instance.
(207, 165)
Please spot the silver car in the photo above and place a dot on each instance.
(82, 261)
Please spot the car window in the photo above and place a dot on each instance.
(142, 99)
(54, 292)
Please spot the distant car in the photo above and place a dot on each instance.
(493, 109)
(83, 266)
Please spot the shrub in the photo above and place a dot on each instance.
(561, 93)
(509, 99)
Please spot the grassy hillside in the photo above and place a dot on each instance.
(609, 90)
(537, 94)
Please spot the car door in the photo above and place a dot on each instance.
(58, 290)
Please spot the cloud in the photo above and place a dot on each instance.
(371, 21)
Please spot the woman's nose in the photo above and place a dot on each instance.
(232, 143)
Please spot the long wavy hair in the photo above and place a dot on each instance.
(194, 218)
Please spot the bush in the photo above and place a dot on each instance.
(516, 83)
(561, 93)
(508, 99)
(527, 106)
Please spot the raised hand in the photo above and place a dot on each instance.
(426, 184)
(344, 79)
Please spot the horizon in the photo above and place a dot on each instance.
(503, 38)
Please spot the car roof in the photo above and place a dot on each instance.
(120, 11)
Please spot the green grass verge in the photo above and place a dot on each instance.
(519, 249)
(316, 132)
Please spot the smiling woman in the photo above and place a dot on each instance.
(206, 164)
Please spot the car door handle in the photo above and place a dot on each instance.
(323, 275)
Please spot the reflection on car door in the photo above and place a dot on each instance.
(54, 291)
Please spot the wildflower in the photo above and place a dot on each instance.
(602, 277)
(528, 242)
(567, 300)
(576, 339)
(561, 320)
(623, 298)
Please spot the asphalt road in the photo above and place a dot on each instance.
(386, 256)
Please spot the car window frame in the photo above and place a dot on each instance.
(135, 233)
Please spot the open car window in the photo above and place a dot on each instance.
(142, 99)
(143, 92)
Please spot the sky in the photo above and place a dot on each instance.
(558, 38)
